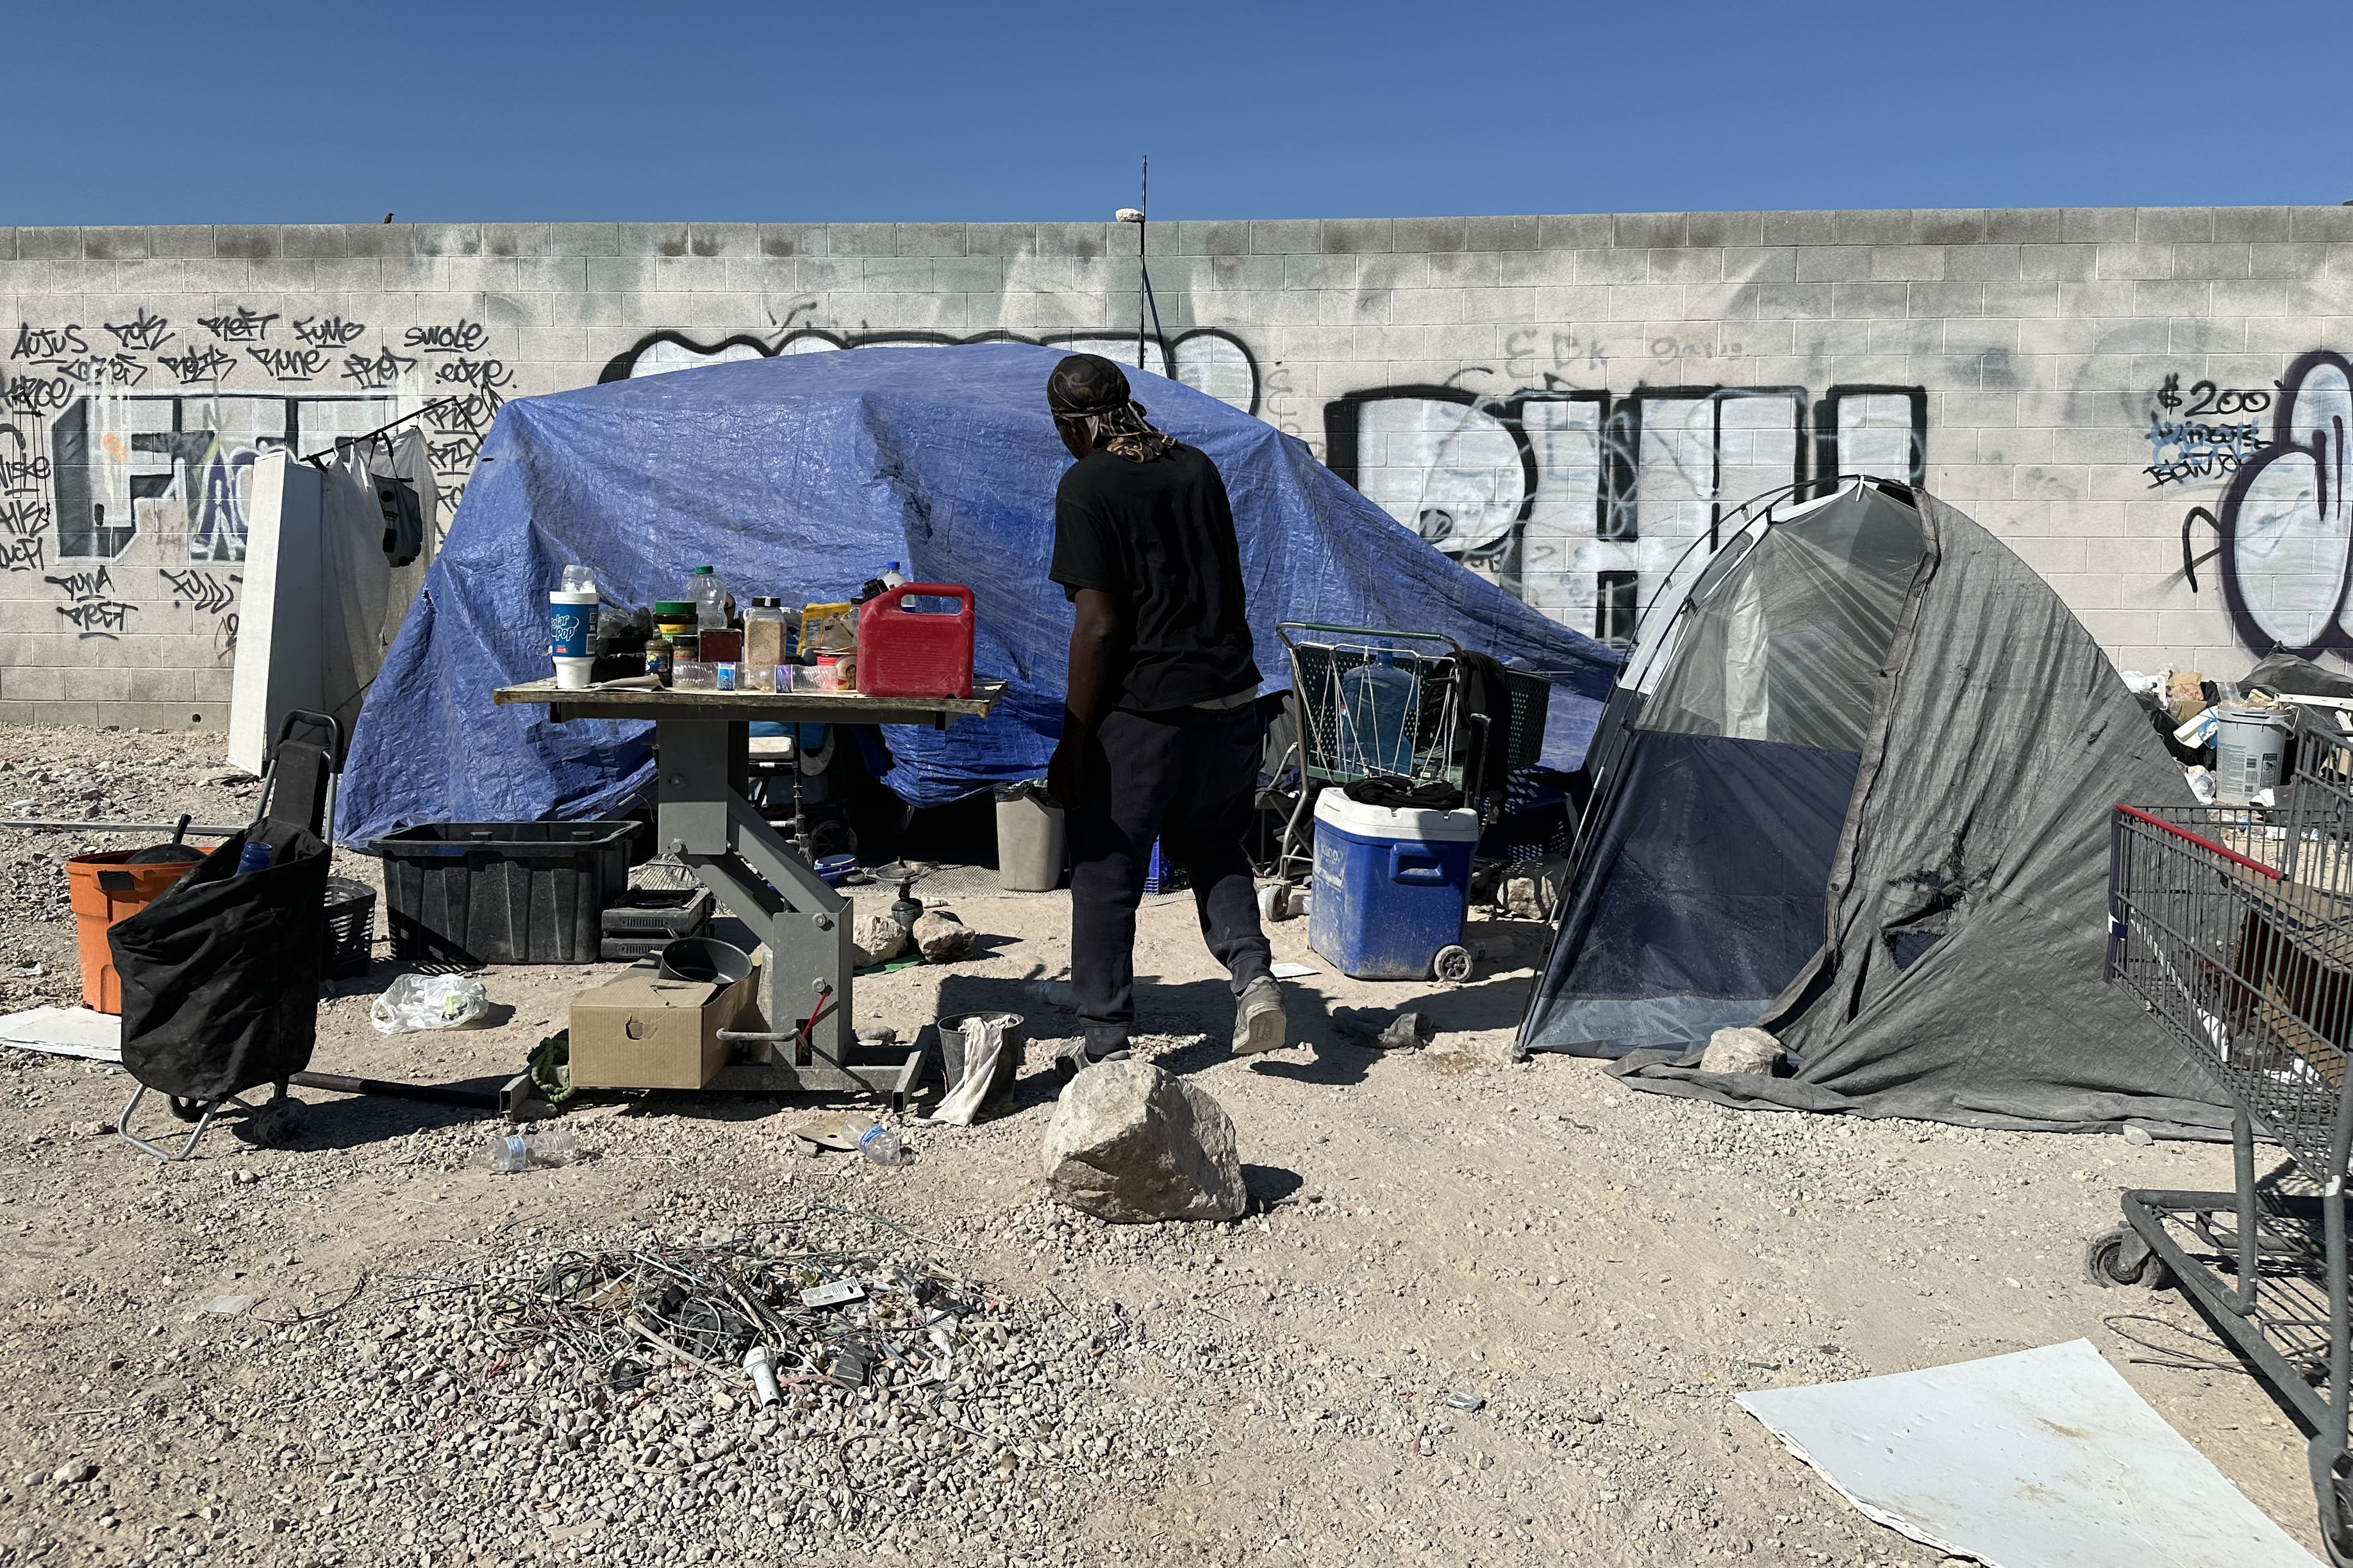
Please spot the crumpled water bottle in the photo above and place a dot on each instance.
(877, 1143)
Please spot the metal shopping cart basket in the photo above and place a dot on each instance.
(1373, 702)
(2235, 928)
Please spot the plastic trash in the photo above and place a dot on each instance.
(1376, 700)
(877, 1143)
(509, 1153)
(760, 1362)
(429, 1002)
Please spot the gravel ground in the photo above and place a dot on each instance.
(1596, 1270)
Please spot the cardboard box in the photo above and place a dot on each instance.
(644, 1031)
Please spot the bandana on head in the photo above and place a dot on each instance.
(1090, 390)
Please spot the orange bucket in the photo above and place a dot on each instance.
(105, 889)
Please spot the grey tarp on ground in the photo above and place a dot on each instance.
(1961, 978)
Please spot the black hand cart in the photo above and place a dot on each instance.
(2234, 927)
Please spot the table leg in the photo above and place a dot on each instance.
(763, 881)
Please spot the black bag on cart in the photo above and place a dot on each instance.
(220, 974)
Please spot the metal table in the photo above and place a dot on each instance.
(702, 742)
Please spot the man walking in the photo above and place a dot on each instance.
(1160, 730)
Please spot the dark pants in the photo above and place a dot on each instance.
(1189, 777)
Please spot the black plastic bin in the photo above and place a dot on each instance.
(503, 892)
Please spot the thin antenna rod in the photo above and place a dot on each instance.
(1144, 281)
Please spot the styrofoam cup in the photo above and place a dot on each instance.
(572, 674)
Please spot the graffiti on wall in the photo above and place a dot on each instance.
(90, 604)
(2283, 528)
(131, 442)
(1206, 358)
(1573, 499)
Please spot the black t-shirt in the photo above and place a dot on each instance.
(1158, 537)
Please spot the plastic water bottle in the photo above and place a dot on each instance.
(512, 1154)
(709, 595)
(1375, 701)
(877, 1143)
(892, 576)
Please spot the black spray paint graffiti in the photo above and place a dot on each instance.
(382, 369)
(1205, 358)
(242, 325)
(201, 591)
(209, 362)
(207, 594)
(289, 363)
(328, 331)
(1573, 499)
(2284, 530)
(2191, 437)
(91, 604)
(146, 331)
(49, 345)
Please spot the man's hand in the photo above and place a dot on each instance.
(1094, 643)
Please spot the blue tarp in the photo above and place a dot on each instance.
(800, 476)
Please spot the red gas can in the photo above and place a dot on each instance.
(904, 652)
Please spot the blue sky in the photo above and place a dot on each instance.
(133, 113)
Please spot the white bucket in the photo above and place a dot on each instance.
(2249, 744)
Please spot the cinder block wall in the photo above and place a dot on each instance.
(2149, 405)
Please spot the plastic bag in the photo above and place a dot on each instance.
(429, 1002)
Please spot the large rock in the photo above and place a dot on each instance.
(1130, 1143)
(942, 938)
(879, 939)
(1740, 1050)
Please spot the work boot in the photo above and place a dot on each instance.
(1078, 1056)
(1258, 1023)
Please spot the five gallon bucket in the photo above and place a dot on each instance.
(1029, 843)
(104, 889)
(2249, 746)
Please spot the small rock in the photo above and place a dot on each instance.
(2137, 1135)
(231, 1306)
(74, 1473)
(1406, 1032)
(879, 939)
(1740, 1050)
(942, 938)
(1131, 1143)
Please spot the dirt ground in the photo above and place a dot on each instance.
(1602, 1269)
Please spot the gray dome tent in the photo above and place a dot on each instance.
(1854, 785)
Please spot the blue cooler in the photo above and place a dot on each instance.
(1392, 885)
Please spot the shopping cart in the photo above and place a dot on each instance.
(2235, 928)
(1371, 702)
